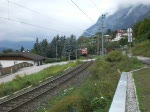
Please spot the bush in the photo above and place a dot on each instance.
(114, 56)
(144, 37)
(82, 58)
(123, 62)
(63, 58)
(50, 61)
(99, 103)
(68, 103)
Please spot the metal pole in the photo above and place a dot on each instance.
(103, 16)
(69, 56)
(130, 45)
(92, 46)
(76, 54)
(130, 38)
(98, 46)
(56, 50)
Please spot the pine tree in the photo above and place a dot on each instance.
(52, 48)
(70, 47)
(22, 49)
(36, 47)
(44, 48)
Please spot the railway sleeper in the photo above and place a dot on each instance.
(5, 109)
(48, 87)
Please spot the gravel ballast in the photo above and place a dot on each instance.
(131, 98)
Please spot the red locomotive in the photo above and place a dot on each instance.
(84, 51)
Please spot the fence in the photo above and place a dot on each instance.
(14, 68)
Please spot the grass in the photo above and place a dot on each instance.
(142, 82)
(142, 49)
(123, 62)
(21, 82)
(82, 58)
(95, 56)
(91, 96)
(96, 93)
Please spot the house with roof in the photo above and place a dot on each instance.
(121, 33)
(10, 59)
(107, 38)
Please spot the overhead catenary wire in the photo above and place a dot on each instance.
(19, 5)
(38, 25)
(8, 9)
(82, 11)
(42, 14)
(24, 7)
(9, 19)
(95, 6)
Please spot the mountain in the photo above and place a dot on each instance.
(2, 48)
(16, 45)
(121, 19)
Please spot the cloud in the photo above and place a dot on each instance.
(60, 15)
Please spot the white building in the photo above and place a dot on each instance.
(10, 59)
(122, 33)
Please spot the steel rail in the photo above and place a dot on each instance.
(11, 105)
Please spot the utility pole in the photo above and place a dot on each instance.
(57, 40)
(98, 46)
(69, 56)
(56, 49)
(103, 16)
(76, 54)
(92, 46)
(69, 50)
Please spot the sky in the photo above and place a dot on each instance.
(47, 18)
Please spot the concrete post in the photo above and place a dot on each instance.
(11, 70)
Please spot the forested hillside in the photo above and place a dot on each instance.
(142, 38)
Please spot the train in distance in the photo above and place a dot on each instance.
(84, 51)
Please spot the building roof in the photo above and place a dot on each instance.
(122, 31)
(31, 56)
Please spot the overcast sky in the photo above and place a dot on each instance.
(58, 16)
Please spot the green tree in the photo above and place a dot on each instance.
(114, 34)
(22, 49)
(112, 45)
(60, 43)
(109, 32)
(123, 41)
(36, 47)
(70, 47)
(44, 48)
(92, 46)
(135, 29)
(52, 48)
(83, 41)
(141, 30)
(144, 27)
(7, 51)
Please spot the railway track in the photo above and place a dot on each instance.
(19, 102)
